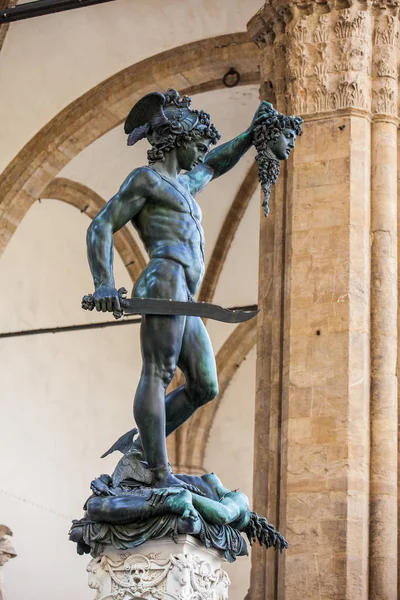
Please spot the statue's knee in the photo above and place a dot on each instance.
(167, 375)
(99, 509)
(204, 392)
(95, 508)
(165, 372)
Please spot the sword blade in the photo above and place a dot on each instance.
(156, 306)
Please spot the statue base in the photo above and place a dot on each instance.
(160, 570)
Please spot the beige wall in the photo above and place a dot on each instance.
(61, 405)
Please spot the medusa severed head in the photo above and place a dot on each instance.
(168, 122)
(276, 134)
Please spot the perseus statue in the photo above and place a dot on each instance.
(160, 201)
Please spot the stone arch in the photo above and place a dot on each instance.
(90, 203)
(194, 67)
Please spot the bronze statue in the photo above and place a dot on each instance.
(159, 200)
(126, 515)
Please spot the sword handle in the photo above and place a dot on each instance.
(88, 302)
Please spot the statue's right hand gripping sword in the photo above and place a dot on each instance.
(159, 306)
(89, 304)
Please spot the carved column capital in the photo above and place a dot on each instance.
(318, 57)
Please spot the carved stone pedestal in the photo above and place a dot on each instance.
(160, 570)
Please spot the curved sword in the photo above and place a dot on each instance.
(158, 306)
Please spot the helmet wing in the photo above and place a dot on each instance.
(148, 111)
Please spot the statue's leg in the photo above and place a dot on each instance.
(161, 340)
(197, 362)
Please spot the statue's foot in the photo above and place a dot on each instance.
(164, 478)
(185, 526)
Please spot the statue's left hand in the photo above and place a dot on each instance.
(260, 115)
(99, 487)
(158, 496)
(179, 502)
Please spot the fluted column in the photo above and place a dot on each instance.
(326, 385)
(384, 336)
(267, 457)
(398, 362)
(383, 493)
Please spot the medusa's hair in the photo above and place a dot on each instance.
(168, 122)
(266, 534)
(271, 128)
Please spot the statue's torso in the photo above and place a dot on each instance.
(169, 224)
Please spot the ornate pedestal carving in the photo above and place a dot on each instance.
(160, 570)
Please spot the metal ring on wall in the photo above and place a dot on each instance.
(231, 78)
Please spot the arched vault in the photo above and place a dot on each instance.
(195, 67)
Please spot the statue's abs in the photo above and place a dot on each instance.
(170, 227)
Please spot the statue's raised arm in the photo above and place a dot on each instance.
(272, 134)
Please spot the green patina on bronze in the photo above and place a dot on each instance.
(125, 510)
(159, 200)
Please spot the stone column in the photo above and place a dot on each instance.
(398, 362)
(326, 437)
(384, 416)
(269, 382)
